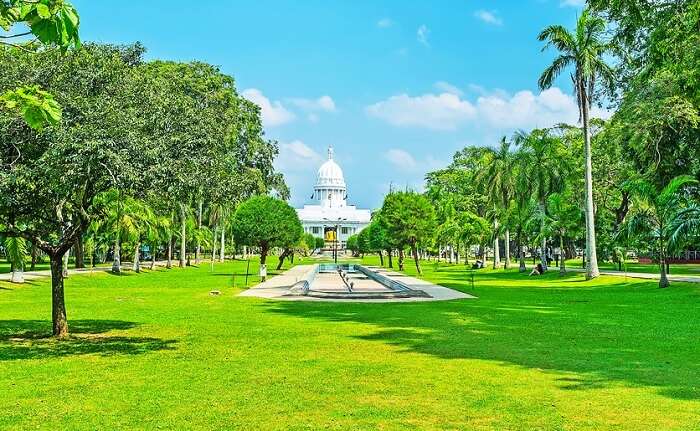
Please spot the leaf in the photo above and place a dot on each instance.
(43, 11)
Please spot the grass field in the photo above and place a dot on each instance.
(634, 266)
(157, 351)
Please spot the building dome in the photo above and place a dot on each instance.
(330, 174)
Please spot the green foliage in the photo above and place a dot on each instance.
(52, 22)
(320, 243)
(266, 222)
(310, 241)
(16, 251)
(36, 106)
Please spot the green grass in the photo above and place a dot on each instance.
(156, 350)
(634, 266)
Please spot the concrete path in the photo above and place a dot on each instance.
(278, 288)
(33, 275)
(644, 275)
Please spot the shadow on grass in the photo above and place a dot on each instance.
(629, 334)
(31, 339)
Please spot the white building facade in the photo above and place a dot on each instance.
(332, 217)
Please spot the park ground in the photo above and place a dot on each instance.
(158, 351)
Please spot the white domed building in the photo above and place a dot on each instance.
(332, 217)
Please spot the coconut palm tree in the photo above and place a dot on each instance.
(563, 215)
(583, 50)
(543, 169)
(498, 178)
(664, 217)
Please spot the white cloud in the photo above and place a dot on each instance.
(297, 156)
(527, 110)
(440, 112)
(497, 110)
(385, 22)
(422, 34)
(273, 113)
(489, 17)
(446, 87)
(573, 3)
(323, 103)
(400, 158)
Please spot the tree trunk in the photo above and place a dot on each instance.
(169, 263)
(153, 257)
(663, 279)
(213, 245)
(390, 256)
(198, 249)
(506, 265)
(17, 274)
(117, 262)
(79, 252)
(183, 236)
(381, 258)
(136, 267)
(65, 264)
(521, 252)
(58, 303)
(415, 258)
(496, 250)
(34, 255)
(400, 259)
(284, 254)
(591, 255)
(562, 260)
(222, 249)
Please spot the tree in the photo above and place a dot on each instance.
(410, 220)
(310, 241)
(665, 217)
(51, 177)
(16, 252)
(498, 178)
(584, 50)
(563, 216)
(352, 244)
(377, 238)
(266, 222)
(543, 169)
(52, 23)
(320, 243)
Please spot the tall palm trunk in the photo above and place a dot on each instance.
(543, 253)
(591, 255)
(198, 249)
(562, 258)
(169, 263)
(183, 236)
(521, 252)
(222, 249)
(117, 262)
(214, 241)
(663, 279)
(400, 259)
(496, 251)
(506, 265)
(136, 267)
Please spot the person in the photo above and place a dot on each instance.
(478, 265)
(538, 270)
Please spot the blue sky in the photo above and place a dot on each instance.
(396, 87)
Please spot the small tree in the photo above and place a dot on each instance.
(410, 220)
(665, 218)
(266, 222)
(320, 243)
(352, 244)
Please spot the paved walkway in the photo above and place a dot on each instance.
(644, 275)
(278, 288)
(126, 266)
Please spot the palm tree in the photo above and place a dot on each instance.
(666, 217)
(543, 170)
(563, 216)
(584, 50)
(16, 251)
(498, 177)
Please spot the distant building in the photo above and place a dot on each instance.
(332, 210)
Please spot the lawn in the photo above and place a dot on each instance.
(157, 351)
(634, 266)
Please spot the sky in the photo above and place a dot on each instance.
(396, 87)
